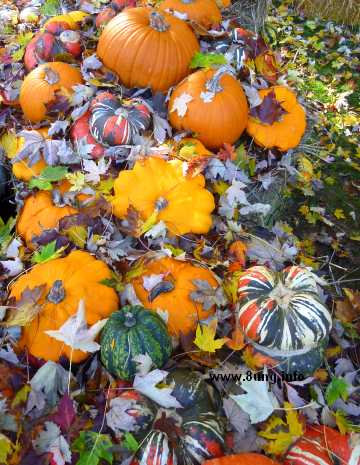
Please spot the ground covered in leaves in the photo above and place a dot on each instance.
(272, 208)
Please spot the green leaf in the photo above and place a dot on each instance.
(93, 447)
(22, 40)
(47, 176)
(21, 395)
(207, 60)
(6, 448)
(130, 442)
(47, 252)
(50, 8)
(336, 389)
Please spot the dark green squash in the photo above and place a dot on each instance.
(129, 332)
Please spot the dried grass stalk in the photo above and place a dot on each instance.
(250, 13)
(341, 11)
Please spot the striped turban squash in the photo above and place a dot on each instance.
(114, 122)
(282, 314)
(322, 445)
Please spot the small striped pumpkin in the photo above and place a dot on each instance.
(129, 332)
(282, 311)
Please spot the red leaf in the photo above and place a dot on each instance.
(269, 111)
(65, 414)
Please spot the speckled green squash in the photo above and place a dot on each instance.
(129, 332)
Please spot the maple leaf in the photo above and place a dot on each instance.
(75, 332)
(205, 337)
(95, 170)
(161, 395)
(93, 447)
(180, 104)
(27, 308)
(118, 418)
(237, 251)
(237, 341)
(51, 440)
(207, 60)
(254, 360)
(258, 402)
(282, 434)
(336, 389)
(266, 65)
(348, 310)
(269, 111)
(47, 252)
(227, 152)
(50, 379)
(65, 414)
(47, 176)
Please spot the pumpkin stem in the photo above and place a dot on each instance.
(161, 203)
(56, 293)
(157, 22)
(282, 295)
(213, 84)
(130, 320)
(187, 2)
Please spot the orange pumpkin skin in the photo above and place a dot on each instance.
(184, 314)
(204, 12)
(186, 204)
(22, 170)
(133, 46)
(219, 121)
(286, 133)
(80, 274)
(242, 459)
(36, 92)
(38, 214)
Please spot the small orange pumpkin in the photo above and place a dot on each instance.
(286, 133)
(242, 459)
(79, 276)
(21, 169)
(41, 84)
(204, 12)
(39, 214)
(189, 147)
(158, 54)
(211, 104)
(158, 186)
(183, 312)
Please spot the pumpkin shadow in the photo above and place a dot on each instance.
(7, 194)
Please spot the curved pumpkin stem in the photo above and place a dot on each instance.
(157, 22)
(56, 293)
(213, 84)
(130, 320)
(187, 2)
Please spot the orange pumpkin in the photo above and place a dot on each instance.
(285, 133)
(156, 186)
(39, 214)
(21, 169)
(183, 312)
(78, 276)
(216, 108)
(204, 12)
(189, 147)
(242, 459)
(41, 84)
(158, 54)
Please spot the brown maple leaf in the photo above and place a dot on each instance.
(269, 111)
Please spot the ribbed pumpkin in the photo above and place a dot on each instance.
(281, 312)
(40, 85)
(147, 49)
(21, 169)
(114, 122)
(79, 276)
(242, 459)
(156, 185)
(81, 130)
(56, 40)
(216, 108)
(204, 12)
(186, 435)
(286, 133)
(133, 331)
(39, 214)
(321, 445)
(172, 295)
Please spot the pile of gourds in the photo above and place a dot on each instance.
(281, 314)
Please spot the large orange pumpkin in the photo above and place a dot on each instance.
(156, 185)
(147, 49)
(21, 169)
(285, 133)
(41, 84)
(79, 276)
(212, 105)
(39, 214)
(183, 312)
(203, 12)
(242, 459)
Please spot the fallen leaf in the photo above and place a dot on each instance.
(269, 111)
(27, 308)
(205, 337)
(237, 341)
(147, 386)
(180, 104)
(348, 309)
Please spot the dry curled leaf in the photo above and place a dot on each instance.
(27, 308)
(348, 309)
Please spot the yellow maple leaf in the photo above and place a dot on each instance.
(11, 144)
(205, 337)
(281, 434)
(339, 214)
(188, 151)
(253, 359)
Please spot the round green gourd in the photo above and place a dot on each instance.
(129, 332)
